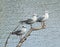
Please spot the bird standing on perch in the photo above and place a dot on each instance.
(43, 18)
(30, 21)
(20, 32)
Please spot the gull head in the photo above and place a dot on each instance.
(23, 27)
(46, 14)
(34, 17)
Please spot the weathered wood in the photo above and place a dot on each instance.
(28, 34)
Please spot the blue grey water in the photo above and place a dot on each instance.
(12, 11)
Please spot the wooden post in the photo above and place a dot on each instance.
(28, 34)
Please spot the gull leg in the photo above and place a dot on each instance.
(21, 36)
(44, 25)
(31, 25)
(41, 23)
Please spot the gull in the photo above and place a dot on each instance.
(20, 32)
(30, 21)
(43, 18)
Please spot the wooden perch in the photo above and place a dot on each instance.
(28, 34)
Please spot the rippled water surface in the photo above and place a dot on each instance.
(12, 11)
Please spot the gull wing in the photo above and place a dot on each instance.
(28, 21)
(40, 19)
(18, 32)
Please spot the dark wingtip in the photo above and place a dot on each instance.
(12, 33)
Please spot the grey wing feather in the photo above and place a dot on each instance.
(18, 32)
(40, 19)
(28, 21)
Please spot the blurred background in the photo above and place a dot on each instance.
(12, 11)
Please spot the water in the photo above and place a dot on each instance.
(12, 11)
